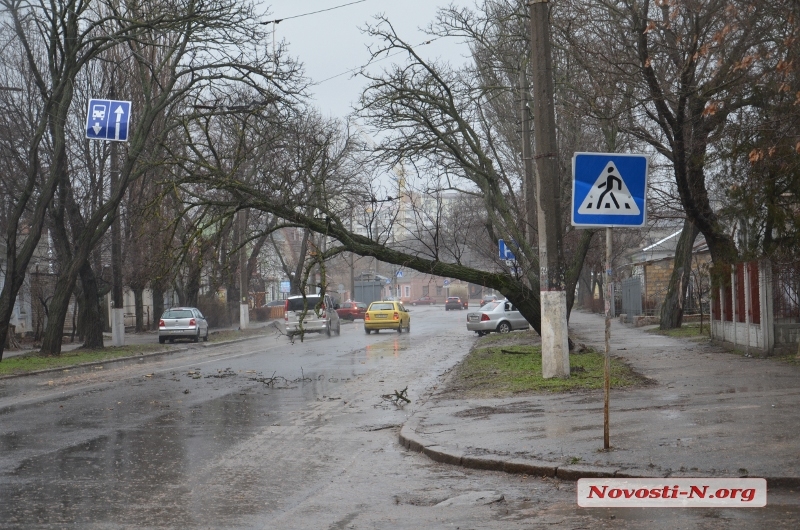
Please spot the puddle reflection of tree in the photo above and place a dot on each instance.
(383, 348)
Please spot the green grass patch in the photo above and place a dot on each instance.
(34, 362)
(687, 331)
(495, 371)
(788, 358)
(233, 334)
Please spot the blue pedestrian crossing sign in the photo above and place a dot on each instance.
(609, 190)
(107, 119)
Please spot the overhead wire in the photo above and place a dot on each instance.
(279, 20)
(351, 70)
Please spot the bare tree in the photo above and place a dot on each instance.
(170, 57)
(684, 68)
(54, 40)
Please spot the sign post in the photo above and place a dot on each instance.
(108, 119)
(608, 190)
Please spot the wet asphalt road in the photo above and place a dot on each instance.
(268, 434)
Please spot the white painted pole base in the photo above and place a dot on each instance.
(118, 327)
(244, 316)
(555, 338)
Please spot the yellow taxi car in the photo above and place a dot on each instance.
(386, 314)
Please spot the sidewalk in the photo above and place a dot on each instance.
(143, 337)
(708, 413)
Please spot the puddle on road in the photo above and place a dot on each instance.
(386, 348)
(170, 468)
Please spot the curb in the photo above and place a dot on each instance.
(128, 358)
(411, 440)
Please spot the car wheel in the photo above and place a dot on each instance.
(339, 328)
(328, 329)
(413, 303)
(205, 339)
(400, 327)
(408, 327)
(161, 340)
(367, 331)
(503, 327)
(196, 338)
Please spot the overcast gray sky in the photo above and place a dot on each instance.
(330, 43)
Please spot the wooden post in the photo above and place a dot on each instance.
(607, 360)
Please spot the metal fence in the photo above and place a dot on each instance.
(786, 292)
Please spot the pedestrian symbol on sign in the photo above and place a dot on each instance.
(609, 195)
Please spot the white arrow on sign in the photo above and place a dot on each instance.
(609, 195)
(119, 112)
(97, 128)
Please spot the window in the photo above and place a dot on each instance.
(438, 290)
(178, 313)
(297, 304)
(407, 289)
(425, 290)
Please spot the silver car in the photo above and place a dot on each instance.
(319, 315)
(500, 316)
(182, 323)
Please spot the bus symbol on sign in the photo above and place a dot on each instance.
(99, 112)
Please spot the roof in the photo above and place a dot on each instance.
(665, 249)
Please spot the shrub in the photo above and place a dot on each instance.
(214, 310)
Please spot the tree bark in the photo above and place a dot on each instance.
(91, 312)
(11, 338)
(575, 271)
(672, 308)
(138, 302)
(158, 303)
(54, 331)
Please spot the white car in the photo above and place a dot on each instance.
(500, 316)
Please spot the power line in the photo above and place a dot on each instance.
(279, 20)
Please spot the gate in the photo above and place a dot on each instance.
(369, 288)
(632, 296)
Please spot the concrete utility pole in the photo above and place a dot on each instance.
(244, 278)
(529, 184)
(555, 340)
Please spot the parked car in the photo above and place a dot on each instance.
(350, 310)
(500, 316)
(453, 302)
(387, 314)
(182, 323)
(319, 315)
(488, 298)
(425, 300)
